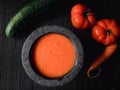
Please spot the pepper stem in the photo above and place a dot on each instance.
(93, 73)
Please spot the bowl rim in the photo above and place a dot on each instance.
(25, 55)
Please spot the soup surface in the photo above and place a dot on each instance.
(54, 55)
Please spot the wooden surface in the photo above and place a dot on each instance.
(12, 74)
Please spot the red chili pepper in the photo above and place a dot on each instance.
(108, 51)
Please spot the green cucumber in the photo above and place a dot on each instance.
(29, 9)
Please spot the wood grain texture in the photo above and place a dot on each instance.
(12, 74)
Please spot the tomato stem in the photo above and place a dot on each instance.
(108, 32)
(87, 12)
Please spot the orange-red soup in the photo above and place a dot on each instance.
(54, 55)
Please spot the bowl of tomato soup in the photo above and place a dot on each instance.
(52, 56)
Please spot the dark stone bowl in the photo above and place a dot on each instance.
(27, 56)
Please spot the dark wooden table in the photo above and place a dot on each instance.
(12, 74)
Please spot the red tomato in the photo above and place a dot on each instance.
(82, 17)
(106, 31)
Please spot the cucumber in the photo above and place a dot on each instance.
(19, 17)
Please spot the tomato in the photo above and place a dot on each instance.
(106, 31)
(82, 17)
